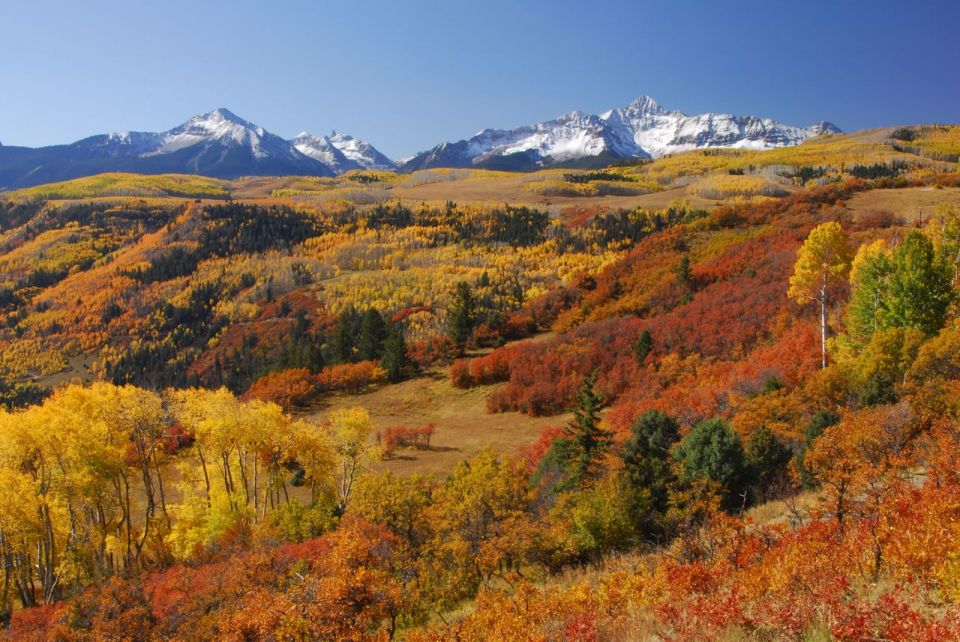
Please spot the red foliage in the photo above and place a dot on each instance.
(398, 437)
(288, 388)
(431, 351)
(534, 453)
(350, 376)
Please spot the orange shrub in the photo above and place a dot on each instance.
(351, 376)
(288, 388)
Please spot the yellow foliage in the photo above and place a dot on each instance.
(119, 184)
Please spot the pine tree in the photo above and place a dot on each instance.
(643, 346)
(373, 332)
(395, 359)
(586, 441)
(344, 338)
(462, 315)
(646, 452)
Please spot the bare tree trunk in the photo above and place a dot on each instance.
(823, 324)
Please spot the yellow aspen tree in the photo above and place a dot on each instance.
(822, 266)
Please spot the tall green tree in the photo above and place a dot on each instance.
(373, 333)
(462, 314)
(646, 452)
(643, 346)
(343, 341)
(869, 285)
(823, 263)
(586, 441)
(767, 457)
(712, 450)
(395, 358)
(920, 286)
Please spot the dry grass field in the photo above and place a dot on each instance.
(908, 203)
(463, 425)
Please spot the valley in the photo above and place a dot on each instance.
(464, 403)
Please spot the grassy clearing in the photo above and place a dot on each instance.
(463, 426)
(908, 202)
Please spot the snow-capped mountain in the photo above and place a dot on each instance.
(218, 143)
(221, 144)
(642, 129)
(341, 152)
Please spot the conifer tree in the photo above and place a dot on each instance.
(586, 441)
(462, 314)
(395, 358)
(344, 339)
(643, 346)
(373, 332)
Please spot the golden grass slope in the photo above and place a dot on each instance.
(121, 184)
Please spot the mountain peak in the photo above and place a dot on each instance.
(341, 152)
(644, 104)
(222, 113)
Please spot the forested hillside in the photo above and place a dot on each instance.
(748, 361)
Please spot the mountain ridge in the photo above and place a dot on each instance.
(641, 129)
(221, 144)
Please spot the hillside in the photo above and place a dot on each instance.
(578, 404)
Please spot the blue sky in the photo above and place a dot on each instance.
(407, 75)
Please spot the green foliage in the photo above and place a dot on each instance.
(920, 289)
(343, 341)
(16, 394)
(867, 308)
(598, 519)
(643, 346)
(587, 443)
(712, 450)
(395, 358)
(462, 314)
(646, 453)
(818, 423)
(373, 333)
(767, 457)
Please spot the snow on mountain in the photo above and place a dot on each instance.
(341, 152)
(361, 152)
(642, 129)
(221, 144)
(218, 143)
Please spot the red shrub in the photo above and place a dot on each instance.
(392, 439)
(352, 377)
(288, 388)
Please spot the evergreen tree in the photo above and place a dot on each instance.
(395, 358)
(712, 450)
(643, 346)
(645, 454)
(818, 423)
(462, 314)
(344, 339)
(373, 332)
(586, 441)
(767, 458)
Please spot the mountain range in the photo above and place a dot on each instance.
(221, 144)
